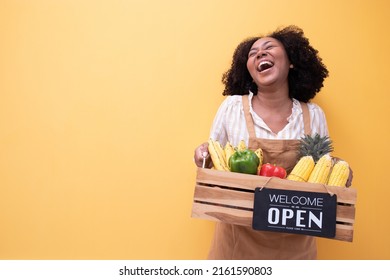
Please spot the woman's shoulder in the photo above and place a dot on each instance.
(315, 108)
(310, 105)
(233, 99)
(232, 102)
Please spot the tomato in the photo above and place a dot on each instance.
(271, 170)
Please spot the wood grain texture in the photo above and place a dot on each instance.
(228, 197)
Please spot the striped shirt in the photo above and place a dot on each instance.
(229, 123)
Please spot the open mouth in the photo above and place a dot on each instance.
(264, 65)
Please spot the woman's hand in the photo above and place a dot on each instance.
(350, 177)
(200, 153)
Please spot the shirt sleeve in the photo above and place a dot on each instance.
(318, 120)
(218, 129)
(229, 122)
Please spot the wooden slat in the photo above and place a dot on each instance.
(224, 196)
(344, 233)
(345, 214)
(244, 218)
(222, 214)
(251, 182)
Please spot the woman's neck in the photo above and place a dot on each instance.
(273, 100)
(274, 108)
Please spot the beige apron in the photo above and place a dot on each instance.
(241, 242)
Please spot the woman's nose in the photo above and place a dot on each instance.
(261, 54)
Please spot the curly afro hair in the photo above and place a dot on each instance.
(305, 79)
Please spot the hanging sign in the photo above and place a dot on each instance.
(299, 212)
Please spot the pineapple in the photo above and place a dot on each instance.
(310, 152)
(315, 146)
(315, 164)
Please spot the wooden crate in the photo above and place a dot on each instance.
(228, 197)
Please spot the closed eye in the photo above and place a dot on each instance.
(252, 53)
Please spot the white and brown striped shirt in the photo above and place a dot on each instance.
(229, 122)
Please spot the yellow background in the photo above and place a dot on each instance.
(102, 103)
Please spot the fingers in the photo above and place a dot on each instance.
(350, 177)
(200, 153)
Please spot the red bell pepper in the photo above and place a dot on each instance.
(272, 170)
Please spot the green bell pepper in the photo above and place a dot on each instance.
(244, 161)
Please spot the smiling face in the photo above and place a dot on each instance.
(268, 63)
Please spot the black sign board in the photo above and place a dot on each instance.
(297, 212)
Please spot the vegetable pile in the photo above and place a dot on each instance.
(242, 160)
(315, 164)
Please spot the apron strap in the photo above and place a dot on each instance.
(248, 117)
(251, 127)
(306, 118)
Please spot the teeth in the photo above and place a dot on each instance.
(263, 65)
(265, 62)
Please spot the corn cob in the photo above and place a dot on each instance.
(229, 150)
(339, 174)
(259, 153)
(321, 170)
(302, 169)
(241, 146)
(217, 155)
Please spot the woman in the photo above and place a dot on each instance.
(269, 85)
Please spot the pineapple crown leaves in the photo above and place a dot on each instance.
(315, 146)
